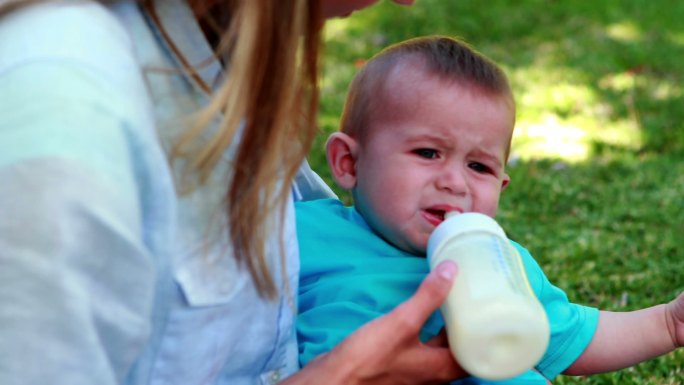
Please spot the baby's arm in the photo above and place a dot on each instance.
(627, 338)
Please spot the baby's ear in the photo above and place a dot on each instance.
(341, 151)
(506, 180)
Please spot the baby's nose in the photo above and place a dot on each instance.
(452, 180)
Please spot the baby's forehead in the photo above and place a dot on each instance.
(408, 87)
(403, 84)
(409, 72)
(408, 83)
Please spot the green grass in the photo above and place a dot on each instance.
(607, 232)
(597, 192)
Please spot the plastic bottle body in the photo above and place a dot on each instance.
(496, 327)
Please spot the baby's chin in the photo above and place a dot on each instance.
(418, 248)
(415, 244)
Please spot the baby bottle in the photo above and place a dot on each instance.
(496, 327)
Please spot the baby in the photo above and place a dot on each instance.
(427, 129)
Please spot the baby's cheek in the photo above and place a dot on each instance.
(488, 205)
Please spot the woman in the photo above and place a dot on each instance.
(111, 276)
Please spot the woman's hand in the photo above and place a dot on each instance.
(387, 350)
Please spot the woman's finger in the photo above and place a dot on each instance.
(430, 295)
(440, 340)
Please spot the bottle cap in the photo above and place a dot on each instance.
(460, 224)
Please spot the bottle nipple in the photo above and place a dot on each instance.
(450, 214)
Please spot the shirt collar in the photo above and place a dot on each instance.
(181, 26)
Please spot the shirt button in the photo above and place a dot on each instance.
(275, 377)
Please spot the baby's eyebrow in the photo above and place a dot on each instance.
(431, 137)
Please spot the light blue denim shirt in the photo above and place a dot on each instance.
(106, 276)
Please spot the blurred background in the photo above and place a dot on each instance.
(597, 164)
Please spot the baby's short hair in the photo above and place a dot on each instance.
(445, 57)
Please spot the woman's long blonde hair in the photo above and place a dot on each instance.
(271, 87)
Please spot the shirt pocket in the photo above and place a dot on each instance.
(217, 326)
(210, 279)
(205, 267)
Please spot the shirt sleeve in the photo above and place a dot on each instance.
(76, 280)
(572, 325)
(309, 186)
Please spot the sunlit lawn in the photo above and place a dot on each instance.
(598, 156)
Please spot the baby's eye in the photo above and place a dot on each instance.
(426, 153)
(480, 168)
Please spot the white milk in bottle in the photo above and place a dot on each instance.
(496, 327)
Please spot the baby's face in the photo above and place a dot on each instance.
(433, 147)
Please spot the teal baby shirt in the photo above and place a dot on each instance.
(349, 276)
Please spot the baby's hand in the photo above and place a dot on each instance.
(675, 310)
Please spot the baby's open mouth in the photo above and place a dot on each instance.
(437, 213)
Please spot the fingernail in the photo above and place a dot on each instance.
(447, 270)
